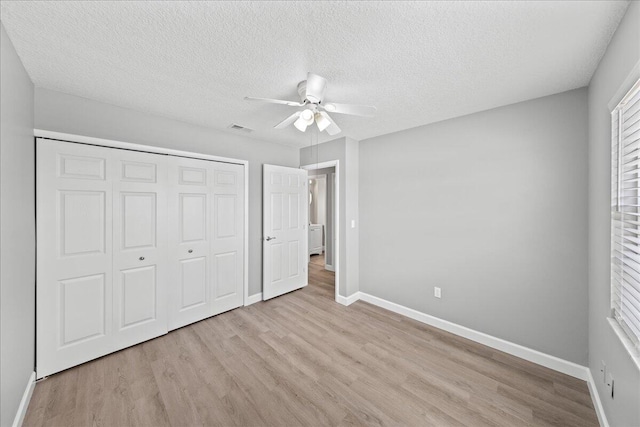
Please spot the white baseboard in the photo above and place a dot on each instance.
(535, 356)
(253, 299)
(329, 267)
(597, 403)
(348, 300)
(24, 402)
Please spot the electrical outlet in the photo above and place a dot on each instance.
(610, 383)
(437, 292)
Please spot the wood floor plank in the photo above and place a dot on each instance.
(91, 396)
(302, 359)
(178, 404)
(62, 399)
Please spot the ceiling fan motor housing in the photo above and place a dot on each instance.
(302, 90)
(312, 89)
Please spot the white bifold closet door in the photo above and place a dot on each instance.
(74, 291)
(227, 218)
(206, 228)
(131, 245)
(189, 224)
(139, 182)
(102, 252)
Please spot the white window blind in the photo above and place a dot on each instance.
(625, 213)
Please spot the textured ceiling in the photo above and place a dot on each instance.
(418, 62)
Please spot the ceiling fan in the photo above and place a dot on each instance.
(315, 109)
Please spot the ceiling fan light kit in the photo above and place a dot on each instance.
(322, 122)
(305, 119)
(311, 93)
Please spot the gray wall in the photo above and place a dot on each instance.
(60, 112)
(492, 208)
(17, 231)
(621, 56)
(345, 150)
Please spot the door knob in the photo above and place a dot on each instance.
(141, 258)
(270, 238)
(190, 251)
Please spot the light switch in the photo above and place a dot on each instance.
(353, 223)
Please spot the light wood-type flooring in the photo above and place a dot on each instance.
(302, 359)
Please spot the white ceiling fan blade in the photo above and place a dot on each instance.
(315, 87)
(286, 122)
(355, 110)
(274, 101)
(333, 128)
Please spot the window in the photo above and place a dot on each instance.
(625, 214)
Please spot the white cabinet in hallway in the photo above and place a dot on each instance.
(130, 245)
(316, 232)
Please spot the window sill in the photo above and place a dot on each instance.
(628, 344)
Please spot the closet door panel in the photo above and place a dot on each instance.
(139, 246)
(189, 240)
(228, 236)
(193, 283)
(74, 265)
(129, 246)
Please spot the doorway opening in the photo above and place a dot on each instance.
(323, 227)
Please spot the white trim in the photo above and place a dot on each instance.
(40, 133)
(348, 300)
(59, 136)
(535, 356)
(629, 345)
(329, 267)
(336, 221)
(597, 403)
(252, 299)
(321, 165)
(245, 297)
(629, 88)
(24, 402)
(625, 87)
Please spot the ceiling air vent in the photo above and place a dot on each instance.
(234, 126)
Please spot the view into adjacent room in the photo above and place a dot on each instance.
(322, 229)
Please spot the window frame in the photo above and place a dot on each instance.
(630, 339)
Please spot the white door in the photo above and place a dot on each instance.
(227, 243)
(74, 255)
(103, 271)
(190, 200)
(285, 220)
(139, 246)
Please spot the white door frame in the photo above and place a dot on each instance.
(336, 216)
(68, 137)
